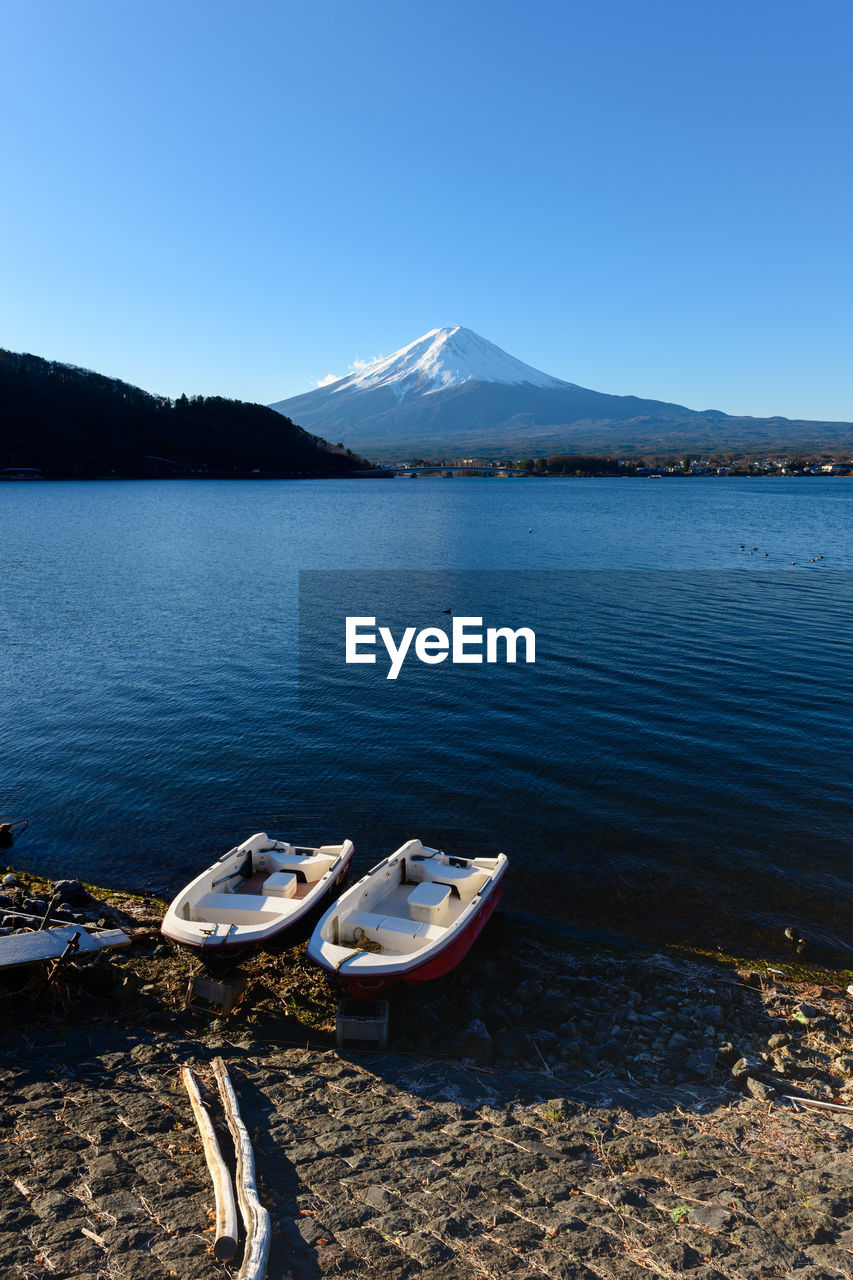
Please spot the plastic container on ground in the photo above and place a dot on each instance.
(362, 1024)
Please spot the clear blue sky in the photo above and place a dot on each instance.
(649, 198)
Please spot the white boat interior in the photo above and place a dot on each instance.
(407, 904)
(254, 889)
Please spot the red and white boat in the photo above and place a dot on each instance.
(412, 918)
(263, 893)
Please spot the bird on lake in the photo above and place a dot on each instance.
(447, 611)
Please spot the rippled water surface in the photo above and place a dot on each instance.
(677, 764)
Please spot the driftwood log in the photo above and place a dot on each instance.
(256, 1219)
(816, 1102)
(225, 1243)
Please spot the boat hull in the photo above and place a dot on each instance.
(436, 965)
(222, 951)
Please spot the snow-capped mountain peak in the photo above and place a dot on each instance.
(441, 359)
(451, 394)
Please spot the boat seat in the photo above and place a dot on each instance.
(430, 902)
(309, 868)
(368, 920)
(394, 932)
(236, 908)
(362, 920)
(281, 884)
(466, 881)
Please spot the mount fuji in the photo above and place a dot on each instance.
(453, 392)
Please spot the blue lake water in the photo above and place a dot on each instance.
(676, 765)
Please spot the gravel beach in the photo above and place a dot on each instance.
(543, 1111)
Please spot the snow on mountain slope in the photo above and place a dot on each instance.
(452, 390)
(452, 393)
(441, 359)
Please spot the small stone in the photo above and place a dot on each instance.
(714, 1217)
(758, 1090)
(71, 891)
(557, 1108)
(9, 881)
(702, 1063)
(612, 1051)
(727, 1053)
(35, 906)
(568, 1050)
(473, 1041)
(513, 1043)
(810, 1012)
(379, 1198)
(525, 992)
(844, 1065)
(744, 1066)
(778, 1041)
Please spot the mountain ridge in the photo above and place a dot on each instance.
(451, 390)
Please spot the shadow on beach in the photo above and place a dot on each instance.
(540, 1111)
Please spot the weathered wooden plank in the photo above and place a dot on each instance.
(48, 944)
(256, 1219)
(225, 1243)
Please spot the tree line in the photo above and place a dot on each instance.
(572, 464)
(67, 421)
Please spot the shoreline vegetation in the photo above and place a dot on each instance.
(62, 422)
(551, 1108)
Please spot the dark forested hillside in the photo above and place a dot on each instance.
(67, 421)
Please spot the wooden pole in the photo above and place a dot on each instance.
(256, 1219)
(816, 1102)
(225, 1243)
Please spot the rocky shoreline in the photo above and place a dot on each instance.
(543, 1111)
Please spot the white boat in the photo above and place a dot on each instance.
(261, 893)
(412, 918)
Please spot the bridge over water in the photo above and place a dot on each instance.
(444, 471)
